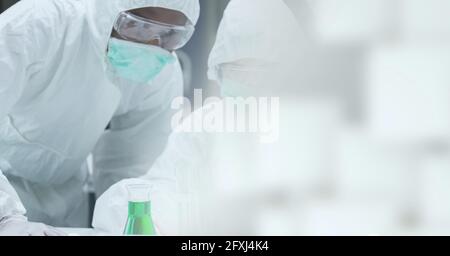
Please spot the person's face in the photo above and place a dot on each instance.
(158, 14)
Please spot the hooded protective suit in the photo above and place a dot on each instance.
(187, 166)
(56, 100)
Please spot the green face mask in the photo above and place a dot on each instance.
(136, 62)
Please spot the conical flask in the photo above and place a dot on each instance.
(139, 221)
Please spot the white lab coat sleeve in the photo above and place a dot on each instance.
(136, 139)
(21, 36)
(15, 57)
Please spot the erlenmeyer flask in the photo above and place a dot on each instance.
(139, 211)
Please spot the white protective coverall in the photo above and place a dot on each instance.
(56, 101)
(264, 30)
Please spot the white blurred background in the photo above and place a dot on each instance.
(364, 140)
(385, 65)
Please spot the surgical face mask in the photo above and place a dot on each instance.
(136, 62)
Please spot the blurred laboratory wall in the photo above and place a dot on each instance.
(385, 65)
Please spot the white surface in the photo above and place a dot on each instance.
(367, 169)
(426, 20)
(435, 191)
(81, 232)
(350, 218)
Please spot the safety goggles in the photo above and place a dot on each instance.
(142, 30)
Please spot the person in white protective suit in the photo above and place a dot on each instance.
(80, 77)
(255, 39)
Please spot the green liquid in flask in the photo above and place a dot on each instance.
(139, 220)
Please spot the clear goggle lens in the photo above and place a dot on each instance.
(138, 29)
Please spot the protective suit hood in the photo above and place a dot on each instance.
(264, 30)
(101, 15)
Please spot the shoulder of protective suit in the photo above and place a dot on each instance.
(33, 13)
(34, 25)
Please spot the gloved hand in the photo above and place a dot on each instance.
(19, 226)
